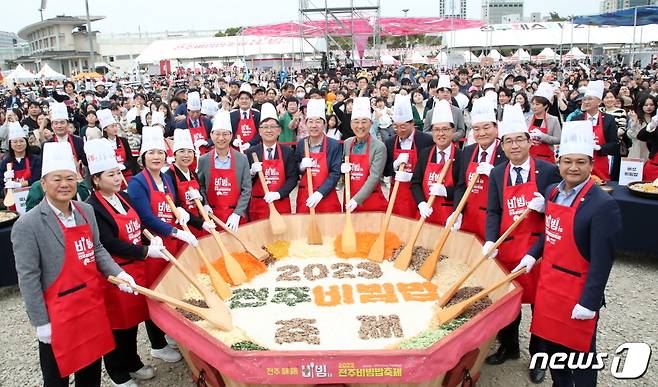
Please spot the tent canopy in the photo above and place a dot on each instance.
(20, 73)
(47, 72)
(626, 17)
(575, 53)
(547, 54)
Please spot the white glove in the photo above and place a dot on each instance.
(527, 262)
(193, 194)
(208, 226)
(314, 199)
(272, 196)
(43, 333)
(186, 237)
(403, 177)
(256, 167)
(402, 158)
(538, 203)
(345, 167)
(122, 166)
(597, 147)
(13, 184)
(171, 160)
(127, 278)
(237, 143)
(245, 146)
(183, 216)
(307, 162)
(538, 134)
(654, 123)
(233, 222)
(487, 246)
(9, 175)
(199, 143)
(579, 312)
(438, 190)
(458, 222)
(208, 209)
(351, 205)
(155, 250)
(484, 169)
(425, 210)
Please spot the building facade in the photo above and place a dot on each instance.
(616, 5)
(493, 11)
(11, 47)
(452, 9)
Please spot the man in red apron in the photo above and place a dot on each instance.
(60, 124)
(476, 162)
(224, 175)
(581, 225)
(245, 120)
(513, 187)
(367, 158)
(544, 128)
(401, 149)
(61, 267)
(325, 158)
(198, 125)
(277, 163)
(425, 181)
(604, 128)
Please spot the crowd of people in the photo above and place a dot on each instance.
(109, 158)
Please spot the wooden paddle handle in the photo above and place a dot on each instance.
(240, 147)
(155, 295)
(225, 227)
(348, 193)
(309, 173)
(394, 193)
(509, 230)
(462, 203)
(174, 211)
(9, 167)
(261, 176)
(175, 262)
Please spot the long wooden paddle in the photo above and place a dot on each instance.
(257, 252)
(348, 237)
(240, 147)
(455, 287)
(220, 318)
(404, 258)
(377, 250)
(233, 268)
(277, 224)
(448, 314)
(9, 195)
(429, 266)
(211, 299)
(217, 281)
(314, 236)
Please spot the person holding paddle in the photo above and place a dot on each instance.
(577, 249)
(514, 186)
(476, 161)
(367, 158)
(324, 159)
(403, 148)
(277, 162)
(431, 160)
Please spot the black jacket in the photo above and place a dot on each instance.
(651, 138)
(289, 163)
(421, 141)
(467, 155)
(419, 175)
(345, 120)
(235, 118)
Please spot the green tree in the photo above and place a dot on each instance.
(231, 31)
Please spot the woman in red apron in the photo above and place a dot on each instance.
(359, 173)
(475, 213)
(539, 132)
(442, 206)
(319, 173)
(404, 203)
(275, 176)
(25, 166)
(650, 136)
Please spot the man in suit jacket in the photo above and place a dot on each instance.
(60, 125)
(198, 125)
(245, 120)
(444, 92)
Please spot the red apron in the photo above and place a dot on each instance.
(650, 171)
(20, 175)
(120, 154)
(223, 190)
(246, 127)
(81, 332)
(541, 151)
(405, 205)
(442, 207)
(562, 279)
(275, 176)
(161, 210)
(601, 164)
(199, 133)
(126, 310)
(358, 176)
(319, 173)
(510, 252)
(182, 191)
(475, 213)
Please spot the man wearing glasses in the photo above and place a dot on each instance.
(514, 186)
(444, 92)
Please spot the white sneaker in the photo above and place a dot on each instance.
(145, 373)
(167, 354)
(172, 343)
(130, 383)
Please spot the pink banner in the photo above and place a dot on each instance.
(360, 42)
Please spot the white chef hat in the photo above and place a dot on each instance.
(545, 90)
(222, 121)
(442, 112)
(361, 108)
(57, 156)
(105, 118)
(577, 138)
(245, 87)
(513, 121)
(482, 111)
(444, 81)
(15, 131)
(183, 139)
(152, 138)
(58, 111)
(315, 108)
(100, 155)
(268, 111)
(402, 109)
(158, 118)
(193, 101)
(594, 89)
(209, 107)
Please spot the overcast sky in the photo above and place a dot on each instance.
(172, 15)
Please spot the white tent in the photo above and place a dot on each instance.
(239, 63)
(387, 59)
(575, 53)
(520, 55)
(547, 55)
(472, 58)
(416, 58)
(47, 72)
(21, 74)
(495, 55)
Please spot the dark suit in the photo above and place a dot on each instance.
(289, 163)
(421, 141)
(467, 155)
(206, 122)
(235, 118)
(79, 146)
(334, 159)
(419, 175)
